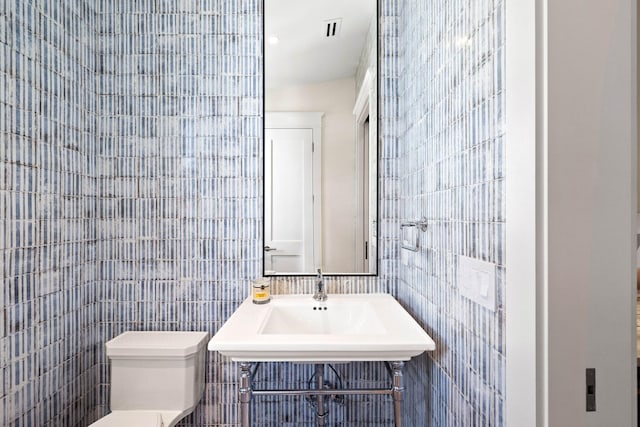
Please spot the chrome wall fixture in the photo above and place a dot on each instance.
(420, 225)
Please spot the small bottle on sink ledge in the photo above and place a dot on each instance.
(261, 290)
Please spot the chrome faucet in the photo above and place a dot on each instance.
(320, 293)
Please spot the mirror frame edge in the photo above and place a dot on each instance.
(378, 159)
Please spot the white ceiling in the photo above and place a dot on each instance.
(304, 53)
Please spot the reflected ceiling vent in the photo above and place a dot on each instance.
(332, 27)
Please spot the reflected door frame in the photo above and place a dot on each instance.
(366, 186)
(313, 121)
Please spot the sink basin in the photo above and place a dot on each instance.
(341, 317)
(353, 327)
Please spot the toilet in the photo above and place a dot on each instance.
(157, 378)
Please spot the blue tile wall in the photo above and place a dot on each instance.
(179, 174)
(48, 198)
(451, 153)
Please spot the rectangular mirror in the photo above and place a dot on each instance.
(320, 137)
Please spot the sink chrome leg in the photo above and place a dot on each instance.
(245, 394)
(320, 397)
(398, 391)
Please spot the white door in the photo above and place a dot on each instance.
(288, 201)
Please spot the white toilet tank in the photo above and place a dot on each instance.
(162, 371)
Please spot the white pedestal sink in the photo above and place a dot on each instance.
(344, 328)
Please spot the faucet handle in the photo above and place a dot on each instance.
(320, 293)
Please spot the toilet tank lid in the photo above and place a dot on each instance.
(130, 418)
(156, 344)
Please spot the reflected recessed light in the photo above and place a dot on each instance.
(274, 40)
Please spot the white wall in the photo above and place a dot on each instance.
(335, 99)
(523, 374)
(577, 62)
(369, 55)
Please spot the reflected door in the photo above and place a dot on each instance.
(288, 201)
